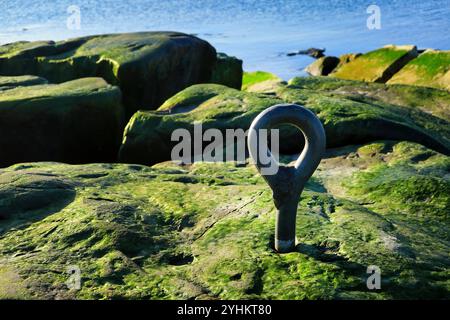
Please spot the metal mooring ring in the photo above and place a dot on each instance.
(287, 182)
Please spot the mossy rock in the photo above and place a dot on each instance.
(378, 65)
(346, 58)
(205, 231)
(348, 119)
(429, 100)
(227, 71)
(75, 122)
(430, 69)
(323, 66)
(260, 81)
(147, 136)
(20, 81)
(149, 67)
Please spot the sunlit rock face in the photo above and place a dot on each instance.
(430, 69)
(393, 65)
(377, 65)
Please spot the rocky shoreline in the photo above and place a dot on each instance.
(390, 64)
(85, 139)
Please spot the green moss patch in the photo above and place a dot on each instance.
(252, 78)
(206, 230)
(430, 69)
(377, 65)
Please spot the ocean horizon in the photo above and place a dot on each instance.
(261, 33)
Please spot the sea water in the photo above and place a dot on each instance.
(261, 32)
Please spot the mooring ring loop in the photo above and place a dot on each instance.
(287, 182)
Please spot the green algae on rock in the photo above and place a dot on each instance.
(377, 65)
(323, 66)
(429, 100)
(346, 58)
(430, 69)
(347, 118)
(20, 81)
(147, 137)
(149, 67)
(205, 231)
(76, 122)
(227, 71)
(260, 81)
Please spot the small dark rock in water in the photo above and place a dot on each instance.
(312, 52)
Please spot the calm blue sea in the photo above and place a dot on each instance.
(260, 32)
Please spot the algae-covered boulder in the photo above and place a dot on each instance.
(352, 116)
(227, 71)
(378, 65)
(346, 58)
(149, 67)
(323, 66)
(429, 100)
(347, 118)
(76, 122)
(430, 69)
(205, 231)
(147, 136)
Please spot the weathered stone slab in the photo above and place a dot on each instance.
(430, 69)
(76, 122)
(378, 65)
